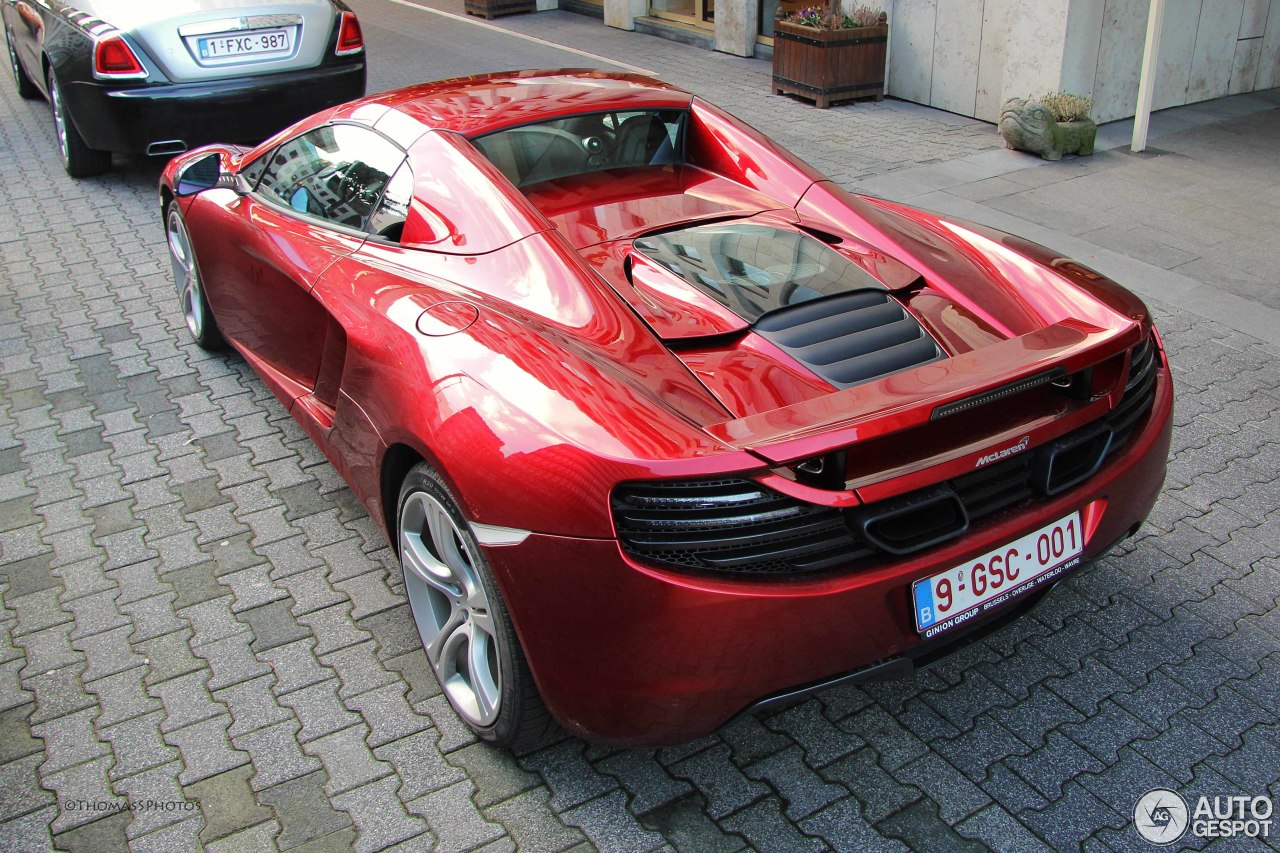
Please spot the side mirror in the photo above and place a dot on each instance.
(203, 174)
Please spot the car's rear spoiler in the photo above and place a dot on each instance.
(917, 396)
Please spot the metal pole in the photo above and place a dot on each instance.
(1147, 83)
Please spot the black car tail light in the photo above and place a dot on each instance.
(113, 58)
(350, 37)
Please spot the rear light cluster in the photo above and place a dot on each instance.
(114, 59)
(350, 38)
(740, 526)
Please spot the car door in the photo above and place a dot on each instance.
(261, 253)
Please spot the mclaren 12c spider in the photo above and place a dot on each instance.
(662, 424)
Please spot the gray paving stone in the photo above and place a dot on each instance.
(205, 748)
(999, 830)
(334, 629)
(295, 665)
(348, 760)
(606, 822)
(571, 779)
(822, 741)
(956, 796)
(894, 744)
(533, 826)
(843, 828)
(379, 816)
(275, 754)
(645, 779)
(176, 837)
(227, 804)
(69, 740)
(231, 661)
(318, 708)
(137, 745)
(454, 818)
(16, 740)
(767, 831)
(186, 700)
(156, 800)
(84, 794)
(168, 656)
(252, 704)
(727, 790)
(57, 692)
(388, 714)
(105, 833)
(304, 812)
(801, 788)
(257, 837)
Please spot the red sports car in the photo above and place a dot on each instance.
(662, 423)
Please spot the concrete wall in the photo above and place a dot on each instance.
(968, 56)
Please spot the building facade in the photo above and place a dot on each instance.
(968, 56)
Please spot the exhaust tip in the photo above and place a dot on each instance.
(166, 146)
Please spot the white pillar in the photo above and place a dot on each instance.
(736, 26)
(1147, 82)
(623, 13)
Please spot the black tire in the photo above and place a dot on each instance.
(23, 83)
(78, 158)
(521, 719)
(189, 283)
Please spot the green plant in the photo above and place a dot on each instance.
(1066, 106)
(825, 18)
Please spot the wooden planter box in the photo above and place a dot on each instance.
(493, 8)
(829, 65)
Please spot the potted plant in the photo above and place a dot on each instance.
(493, 8)
(827, 55)
(1054, 124)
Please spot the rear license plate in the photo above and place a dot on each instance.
(951, 598)
(248, 43)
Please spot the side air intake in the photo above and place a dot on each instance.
(850, 338)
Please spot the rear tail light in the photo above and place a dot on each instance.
(113, 58)
(350, 39)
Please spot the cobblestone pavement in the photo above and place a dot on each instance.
(195, 611)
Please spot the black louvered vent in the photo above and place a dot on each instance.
(730, 526)
(850, 337)
(741, 526)
(1139, 392)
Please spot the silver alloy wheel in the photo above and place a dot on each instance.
(186, 276)
(451, 608)
(59, 123)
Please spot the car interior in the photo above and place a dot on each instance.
(534, 153)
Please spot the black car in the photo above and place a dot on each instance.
(160, 78)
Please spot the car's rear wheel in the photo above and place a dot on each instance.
(26, 88)
(186, 278)
(78, 158)
(462, 618)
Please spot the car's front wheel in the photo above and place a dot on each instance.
(186, 278)
(462, 618)
(78, 158)
(26, 88)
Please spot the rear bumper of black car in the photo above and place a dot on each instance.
(166, 118)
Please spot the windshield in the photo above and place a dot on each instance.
(595, 142)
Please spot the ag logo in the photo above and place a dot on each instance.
(1160, 816)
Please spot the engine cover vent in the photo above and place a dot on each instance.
(850, 338)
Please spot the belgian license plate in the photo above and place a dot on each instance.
(248, 43)
(951, 598)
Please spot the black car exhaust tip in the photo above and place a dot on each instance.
(166, 146)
